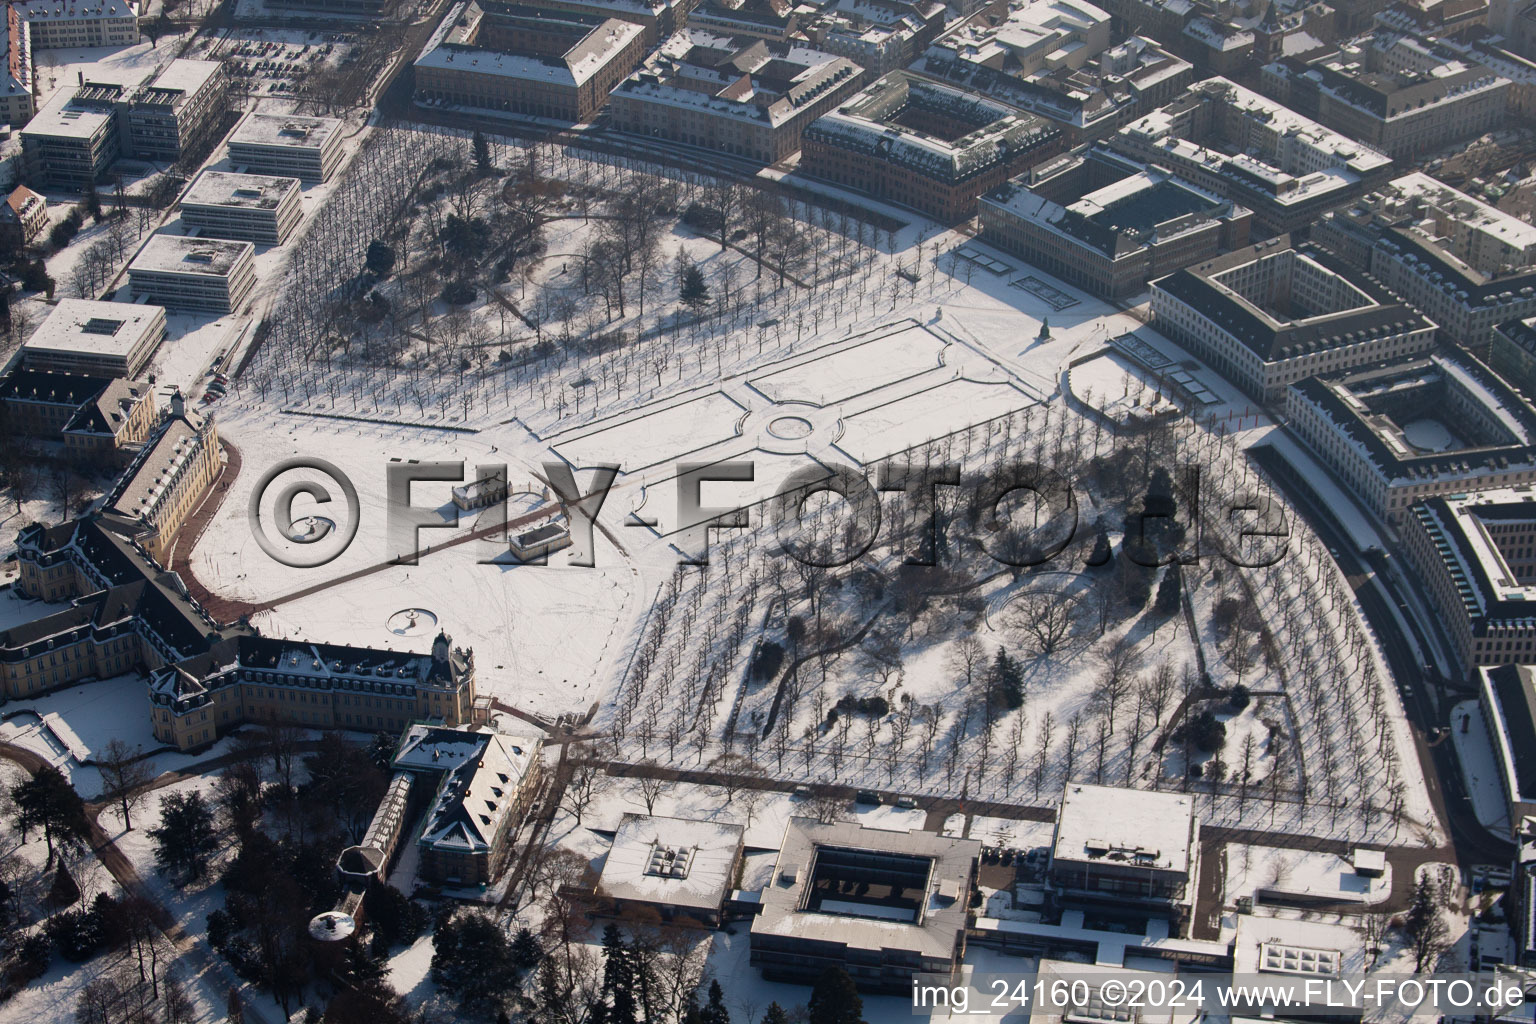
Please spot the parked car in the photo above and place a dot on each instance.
(867, 796)
(906, 803)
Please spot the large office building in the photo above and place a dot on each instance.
(743, 96)
(1467, 265)
(657, 18)
(307, 148)
(78, 134)
(1107, 224)
(73, 24)
(210, 275)
(1506, 699)
(1393, 92)
(1273, 314)
(104, 339)
(1399, 433)
(527, 60)
(1131, 851)
(178, 110)
(683, 871)
(1287, 169)
(258, 208)
(927, 146)
(1476, 557)
(883, 905)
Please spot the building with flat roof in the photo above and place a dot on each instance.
(178, 110)
(527, 60)
(1475, 555)
(885, 906)
(108, 339)
(1136, 849)
(1506, 697)
(1022, 39)
(1273, 314)
(1467, 265)
(77, 135)
(1398, 433)
(307, 148)
(258, 208)
(1394, 92)
(927, 146)
(743, 96)
(1287, 169)
(1107, 224)
(204, 274)
(682, 870)
(72, 24)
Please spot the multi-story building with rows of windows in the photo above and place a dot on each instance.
(72, 24)
(1400, 433)
(307, 148)
(1469, 266)
(1273, 314)
(1107, 224)
(178, 110)
(250, 678)
(258, 208)
(1394, 92)
(104, 339)
(924, 145)
(527, 60)
(748, 97)
(1475, 555)
(211, 275)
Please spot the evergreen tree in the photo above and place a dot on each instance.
(482, 147)
(1168, 591)
(695, 291)
(49, 802)
(472, 959)
(525, 949)
(618, 977)
(775, 1015)
(380, 260)
(714, 1011)
(185, 838)
(835, 1000)
(1100, 553)
(1005, 687)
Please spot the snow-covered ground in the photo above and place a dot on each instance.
(1305, 873)
(1479, 767)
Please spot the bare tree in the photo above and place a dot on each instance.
(123, 776)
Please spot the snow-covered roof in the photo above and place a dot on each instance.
(241, 191)
(287, 130)
(87, 327)
(1133, 828)
(200, 257)
(939, 914)
(675, 862)
(477, 794)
